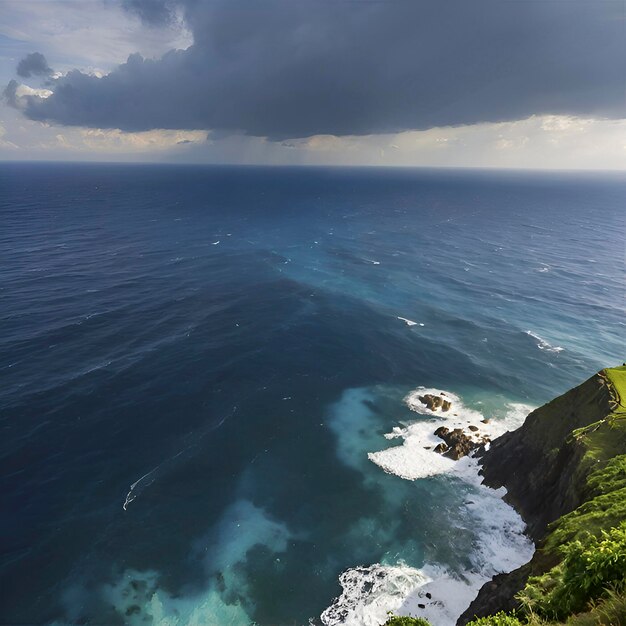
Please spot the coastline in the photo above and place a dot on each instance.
(434, 591)
(564, 473)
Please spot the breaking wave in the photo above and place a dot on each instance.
(436, 591)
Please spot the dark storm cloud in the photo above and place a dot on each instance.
(294, 68)
(33, 64)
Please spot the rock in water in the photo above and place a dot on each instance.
(435, 402)
(458, 444)
(442, 432)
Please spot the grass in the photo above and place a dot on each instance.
(609, 611)
(499, 619)
(603, 470)
(591, 566)
(402, 620)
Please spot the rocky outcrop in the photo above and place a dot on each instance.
(540, 462)
(435, 402)
(497, 595)
(457, 443)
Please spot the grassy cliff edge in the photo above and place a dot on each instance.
(565, 472)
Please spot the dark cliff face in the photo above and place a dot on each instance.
(544, 467)
(540, 463)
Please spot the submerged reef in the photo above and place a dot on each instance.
(565, 473)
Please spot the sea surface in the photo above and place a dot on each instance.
(210, 380)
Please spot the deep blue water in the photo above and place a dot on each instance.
(201, 331)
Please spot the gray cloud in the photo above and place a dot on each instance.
(10, 94)
(286, 69)
(153, 12)
(33, 64)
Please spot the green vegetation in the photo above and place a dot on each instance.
(499, 619)
(605, 508)
(590, 568)
(589, 542)
(580, 569)
(610, 611)
(401, 620)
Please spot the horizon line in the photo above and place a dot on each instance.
(467, 168)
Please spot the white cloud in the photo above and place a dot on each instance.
(25, 90)
(89, 34)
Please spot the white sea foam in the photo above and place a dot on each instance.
(434, 591)
(370, 593)
(145, 481)
(94, 368)
(543, 344)
(408, 322)
(415, 458)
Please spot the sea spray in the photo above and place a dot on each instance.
(416, 458)
(435, 591)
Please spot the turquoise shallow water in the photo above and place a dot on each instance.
(227, 341)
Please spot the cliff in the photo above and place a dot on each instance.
(565, 473)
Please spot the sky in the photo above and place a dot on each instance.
(459, 83)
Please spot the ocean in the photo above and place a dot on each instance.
(210, 379)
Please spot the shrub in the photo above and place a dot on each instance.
(401, 620)
(589, 567)
(499, 619)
